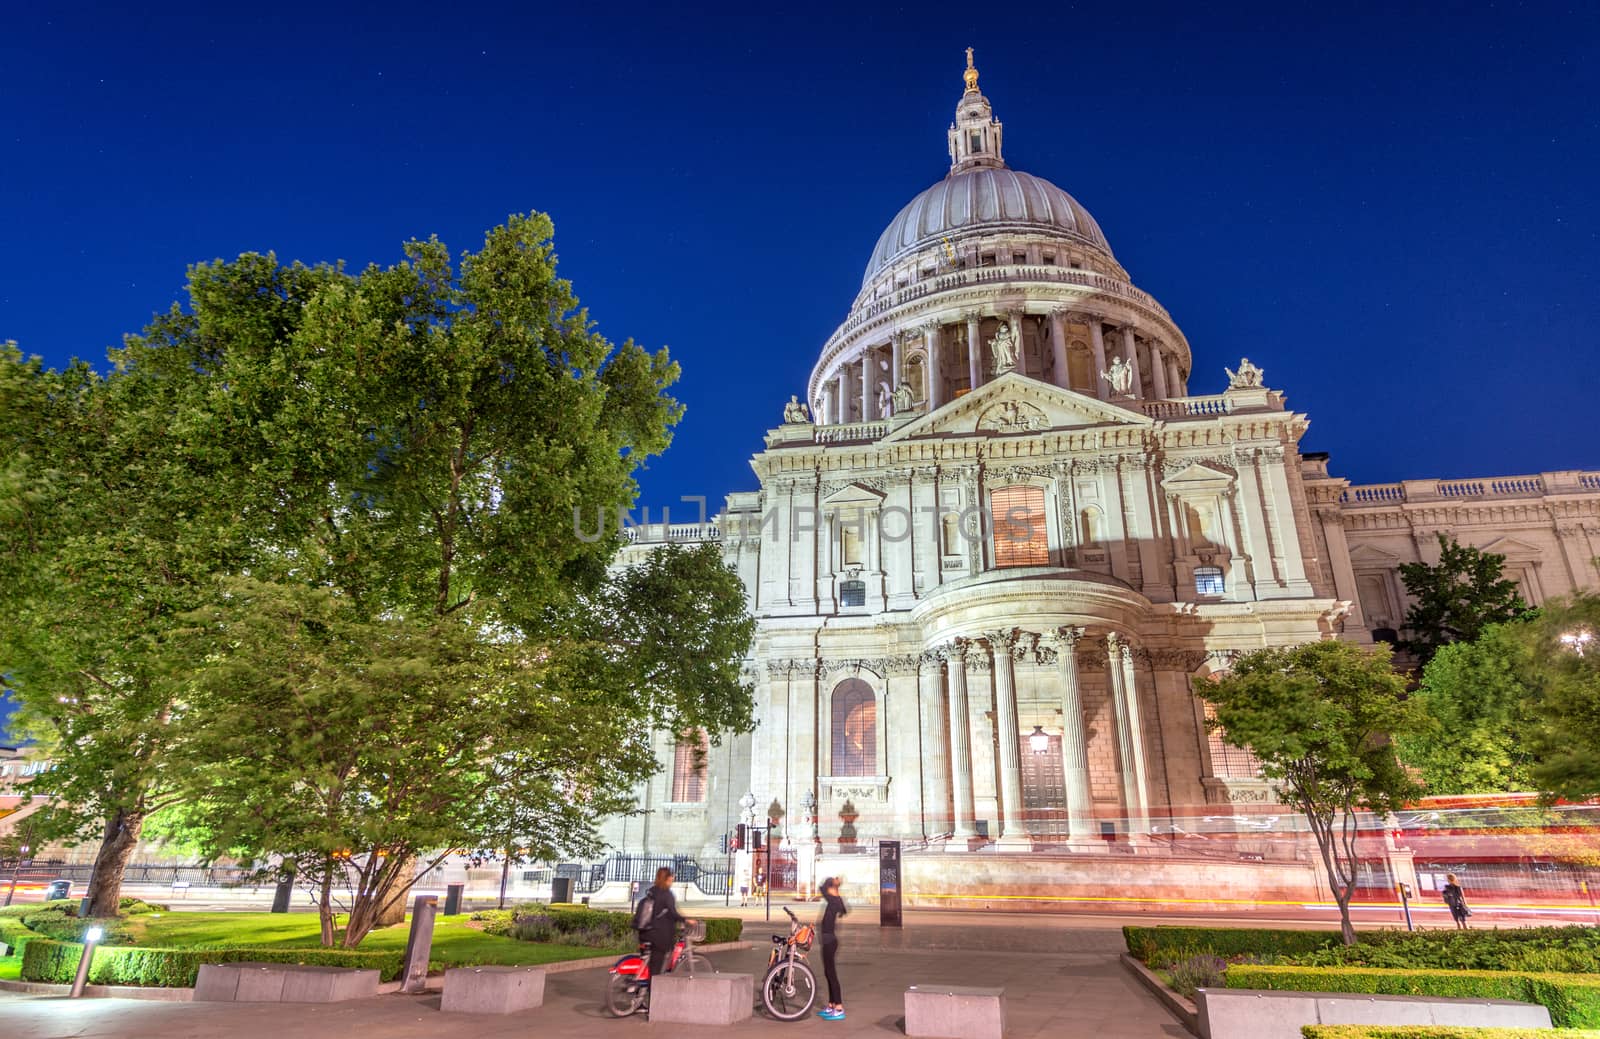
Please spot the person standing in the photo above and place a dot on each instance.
(833, 907)
(1457, 901)
(657, 918)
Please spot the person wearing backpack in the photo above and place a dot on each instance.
(656, 918)
(1456, 900)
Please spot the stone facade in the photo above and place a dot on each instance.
(993, 573)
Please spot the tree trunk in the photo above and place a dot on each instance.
(111, 862)
(505, 876)
(325, 905)
(393, 910)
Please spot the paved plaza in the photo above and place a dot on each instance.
(1058, 982)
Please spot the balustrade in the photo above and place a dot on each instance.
(1494, 487)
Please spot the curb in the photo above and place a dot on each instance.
(1180, 1008)
(435, 982)
(42, 988)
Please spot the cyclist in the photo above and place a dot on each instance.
(657, 918)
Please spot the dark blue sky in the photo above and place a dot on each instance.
(1393, 212)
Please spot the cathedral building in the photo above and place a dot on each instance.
(1009, 530)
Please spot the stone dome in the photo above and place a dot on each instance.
(979, 199)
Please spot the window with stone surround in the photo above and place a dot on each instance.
(1020, 537)
(855, 729)
(1227, 760)
(1208, 581)
(689, 768)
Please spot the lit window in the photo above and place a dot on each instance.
(855, 729)
(689, 768)
(1228, 760)
(1208, 580)
(1019, 527)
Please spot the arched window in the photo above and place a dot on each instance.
(689, 768)
(855, 729)
(1228, 760)
(1019, 526)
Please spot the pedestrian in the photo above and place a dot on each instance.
(833, 907)
(761, 882)
(1456, 901)
(656, 918)
(744, 893)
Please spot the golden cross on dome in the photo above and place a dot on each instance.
(971, 75)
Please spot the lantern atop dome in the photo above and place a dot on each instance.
(975, 134)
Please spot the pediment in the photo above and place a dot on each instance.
(1197, 476)
(855, 494)
(1512, 548)
(1371, 555)
(1017, 405)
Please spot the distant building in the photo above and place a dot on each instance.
(995, 564)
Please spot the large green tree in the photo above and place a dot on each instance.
(1322, 718)
(1563, 670)
(1475, 714)
(1456, 598)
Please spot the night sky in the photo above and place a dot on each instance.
(1394, 214)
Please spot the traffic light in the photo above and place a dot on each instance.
(738, 837)
(755, 839)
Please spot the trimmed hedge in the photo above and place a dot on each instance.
(1437, 1032)
(53, 961)
(1572, 999)
(1163, 946)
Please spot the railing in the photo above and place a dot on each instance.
(1183, 407)
(1491, 487)
(654, 533)
(849, 432)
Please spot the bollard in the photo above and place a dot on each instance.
(419, 945)
(91, 938)
(452, 898)
(282, 894)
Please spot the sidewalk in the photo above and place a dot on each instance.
(1057, 982)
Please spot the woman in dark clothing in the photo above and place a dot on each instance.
(832, 909)
(1457, 901)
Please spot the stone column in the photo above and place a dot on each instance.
(842, 396)
(1130, 350)
(1130, 734)
(960, 745)
(935, 754)
(895, 360)
(934, 388)
(1175, 378)
(1074, 739)
(1097, 344)
(1058, 348)
(825, 415)
(974, 350)
(868, 412)
(1012, 831)
(1158, 370)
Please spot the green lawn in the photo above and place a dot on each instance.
(10, 968)
(454, 943)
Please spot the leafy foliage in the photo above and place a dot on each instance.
(1475, 713)
(1166, 945)
(1455, 599)
(1321, 718)
(1192, 973)
(1566, 699)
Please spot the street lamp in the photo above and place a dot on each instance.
(1039, 740)
(1577, 641)
(22, 853)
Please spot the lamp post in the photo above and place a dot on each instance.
(22, 853)
(1039, 740)
(91, 938)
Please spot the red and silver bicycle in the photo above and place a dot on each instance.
(627, 988)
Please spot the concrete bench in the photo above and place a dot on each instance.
(492, 990)
(1263, 1014)
(706, 999)
(282, 983)
(955, 1012)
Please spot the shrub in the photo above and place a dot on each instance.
(495, 921)
(1436, 1032)
(1573, 950)
(67, 927)
(721, 929)
(1572, 999)
(65, 905)
(137, 906)
(53, 961)
(537, 927)
(1196, 972)
(1164, 946)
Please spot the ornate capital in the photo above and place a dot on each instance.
(935, 658)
